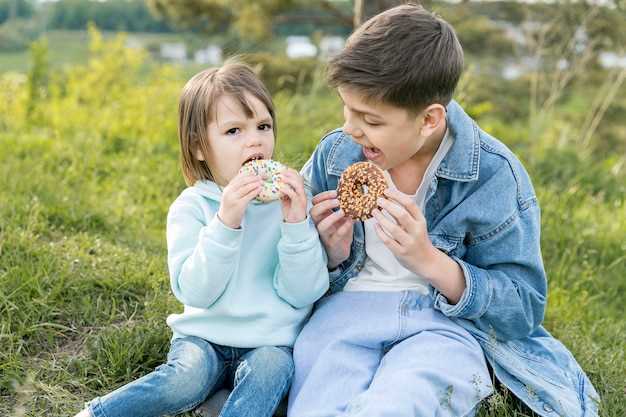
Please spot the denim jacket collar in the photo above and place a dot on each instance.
(462, 161)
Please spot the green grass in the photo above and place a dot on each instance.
(86, 178)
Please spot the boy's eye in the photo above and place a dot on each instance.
(371, 123)
(232, 131)
(265, 126)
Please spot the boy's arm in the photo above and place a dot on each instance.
(301, 277)
(201, 258)
(505, 279)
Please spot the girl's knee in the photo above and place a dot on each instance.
(191, 370)
(268, 364)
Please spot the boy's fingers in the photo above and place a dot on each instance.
(405, 201)
(391, 228)
(387, 240)
(326, 195)
(329, 223)
(323, 208)
(400, 214)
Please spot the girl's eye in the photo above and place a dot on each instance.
(265, 126)
(232, 131)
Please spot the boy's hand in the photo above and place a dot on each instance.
(407, 238)
(236, 196)
(334, 227)
(293, 199)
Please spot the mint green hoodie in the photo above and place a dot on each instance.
(246, 287)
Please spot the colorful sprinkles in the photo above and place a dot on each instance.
(269, 170)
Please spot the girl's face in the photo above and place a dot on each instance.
(234, 138)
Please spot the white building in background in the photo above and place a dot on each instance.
(174, 51)
(300, 47)
(331, 46)
(211, 55)
(612, 60)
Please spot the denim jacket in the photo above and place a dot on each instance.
(482, 211)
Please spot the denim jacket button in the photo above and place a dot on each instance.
(547, 407)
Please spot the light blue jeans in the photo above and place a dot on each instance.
(381, 354)
(196, 369)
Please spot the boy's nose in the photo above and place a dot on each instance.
(351, 130)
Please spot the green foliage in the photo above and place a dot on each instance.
(89, 166)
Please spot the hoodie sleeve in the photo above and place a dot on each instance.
(202, 257)
(301, 277)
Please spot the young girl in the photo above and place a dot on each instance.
(246, 273)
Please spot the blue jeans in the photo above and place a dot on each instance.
(196, 369)
(375, 354)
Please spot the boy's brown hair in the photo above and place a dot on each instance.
(197, 107)
(405, 56)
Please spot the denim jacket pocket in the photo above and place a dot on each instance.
(445, 243)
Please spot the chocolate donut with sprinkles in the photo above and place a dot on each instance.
(269, 171)
(359, 187)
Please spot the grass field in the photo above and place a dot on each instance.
(88, 168)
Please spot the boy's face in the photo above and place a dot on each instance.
(389, 135)
(234, 138)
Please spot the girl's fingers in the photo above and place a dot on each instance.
(244, 191)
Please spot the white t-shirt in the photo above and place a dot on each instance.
(382, 271)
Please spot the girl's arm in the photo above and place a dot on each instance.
(301, 276)
(202, 258)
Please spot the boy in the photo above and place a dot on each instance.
(448, 272)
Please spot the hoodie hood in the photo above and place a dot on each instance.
(207, 189)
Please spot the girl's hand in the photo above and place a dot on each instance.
(236, 196)
(293, 197)
(407, 237)
(334, 227)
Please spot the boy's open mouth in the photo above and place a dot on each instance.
(370, 152)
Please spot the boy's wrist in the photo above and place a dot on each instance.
(444, 273)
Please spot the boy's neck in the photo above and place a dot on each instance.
(408, 175)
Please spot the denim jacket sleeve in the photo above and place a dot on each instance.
(506, 286)
(315, 179)
(201, 258)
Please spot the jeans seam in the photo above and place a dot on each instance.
(278, 396)
(99, 411)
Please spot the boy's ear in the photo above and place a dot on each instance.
(429, 120)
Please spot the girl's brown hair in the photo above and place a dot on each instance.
(196, 109)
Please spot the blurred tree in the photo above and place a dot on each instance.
(253, 19)
(125, 15)
(11, 9)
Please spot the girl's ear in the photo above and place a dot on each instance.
(195, 143)
(429, 120)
